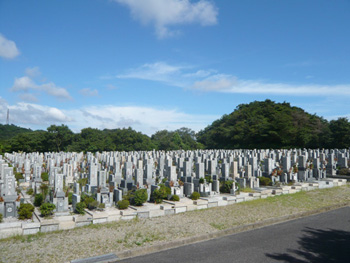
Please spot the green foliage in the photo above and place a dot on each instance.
(9, 131)
(140, 197)
(266, 124)
(44, 190)
(93, 204)
(226, 186)
(87, 199)
(38, 200)
(82, 182)
(183, 138)
(30, 191)
(344, 171)
(19, 176)
(1, 218)
(47, 209)
(175, 198)
(45, 176)
(208, 179)
(70, 198)
(340, 130)
(123, 204)
(25, 211)
(201, 180)
(195, 196)
(101, 206)
(161, 193)
(79, 208)
(265, 181)
(259, 124)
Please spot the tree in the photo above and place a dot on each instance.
(38, 200)
(123, 204)
(59, 137)
(45, 176)
(195, 196)
(340, 130)
(140, 197)
(161, 193)
(25, 211)
(80, 208)
(46, 209)
(226, 186)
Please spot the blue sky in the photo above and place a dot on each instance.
(154, 64)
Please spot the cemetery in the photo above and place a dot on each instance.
(43, 192)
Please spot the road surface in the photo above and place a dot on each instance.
(319, 238)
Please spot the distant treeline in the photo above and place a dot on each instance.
(261, 125)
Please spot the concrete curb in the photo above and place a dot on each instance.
(226, 232)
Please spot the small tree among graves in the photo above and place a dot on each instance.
(45, 176)
(38, 200)
(265, 181)
(195, 196)
(226, 186)
(25, 211)
(140, 197)
(160, 194)
(123, 204)
(80, 208)
(46, 209)
(175, 198)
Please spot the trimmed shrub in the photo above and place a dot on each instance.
(46, 209)
(123, 204)
(38, 200)
(25, 211)
(140, 197)
(93, 205)
(195, 196)
(175, 198)
(1, 218)
(79, 208)
(201, 180)
(226, 186)
(101, 206)
(45, 176)
(265, 181)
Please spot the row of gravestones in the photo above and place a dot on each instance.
(111, 174)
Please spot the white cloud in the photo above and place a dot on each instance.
(88, 92)
(8, 48)
(145, 119)
(158, 71)
(28, 97)
(231, 84)
(148, 120)
(111, 87)
(33, 72)
(167, 13)
(29, 114)
(25, 83)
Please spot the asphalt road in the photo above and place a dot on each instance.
(320, 238)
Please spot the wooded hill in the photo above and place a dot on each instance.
(259, 124)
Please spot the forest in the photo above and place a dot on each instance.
(259, 124)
